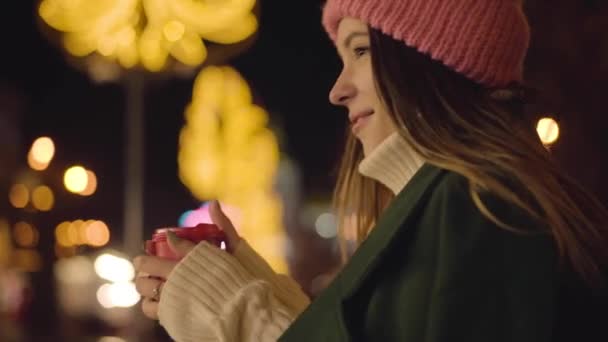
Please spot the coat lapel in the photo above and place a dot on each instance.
(402, 208)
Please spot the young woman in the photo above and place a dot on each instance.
(467, 230)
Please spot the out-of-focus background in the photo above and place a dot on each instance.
(118, 117)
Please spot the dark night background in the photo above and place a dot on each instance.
(290, 67)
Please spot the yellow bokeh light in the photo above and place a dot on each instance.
(174, 30)
(61, 234)
(72, 234)
(97, 234)
(75, 179)
(548, 130)
(43, 198)
(19, 196)
(35, 165)
(225, 134)
(148, 31)
(91, 184)
(43, 150)
(25, 234)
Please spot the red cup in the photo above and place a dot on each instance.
(159, 246)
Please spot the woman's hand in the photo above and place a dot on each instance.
(152, 271)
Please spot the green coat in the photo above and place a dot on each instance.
(435, 269)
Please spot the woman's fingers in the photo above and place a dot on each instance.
(149, 287)
(150, 308)
(223, 222)
(154, 266)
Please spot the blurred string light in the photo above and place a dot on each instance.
(148, 32)
(227, 152)
(80, 181)
(43, 198)
(548, 130)
(19, 196)
(27, 260)
(26, 235)
(41, 153)
(94, 233)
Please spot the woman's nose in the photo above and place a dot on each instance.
(342, 91)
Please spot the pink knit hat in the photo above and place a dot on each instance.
(485, 40)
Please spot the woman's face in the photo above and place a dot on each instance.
(355, 88)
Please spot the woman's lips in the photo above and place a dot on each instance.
(359, 121)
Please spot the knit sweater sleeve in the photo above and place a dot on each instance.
(214, 296)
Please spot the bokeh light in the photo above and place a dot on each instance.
(61, 234)
(97, 234)
(75, 179)
(134, 32)
(19, 196)
(43, 198)
(25, 234)
(113, 268)
(326, 225)
(42, 152)
(548, 130)
(91, 186)
(122, 295)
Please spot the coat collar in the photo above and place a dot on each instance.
(371, 251)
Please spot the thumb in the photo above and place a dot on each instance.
(223, 222)
(180, 247)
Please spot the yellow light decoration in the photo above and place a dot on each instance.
(41, 153)
(147, 32)
(228, 153)
(19, 196)
(43, 198)
(75, 179)
(548, 130)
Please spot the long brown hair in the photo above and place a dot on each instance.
(455, 123)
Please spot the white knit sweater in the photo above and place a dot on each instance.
(214, 296)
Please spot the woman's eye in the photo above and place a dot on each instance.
(361, 51)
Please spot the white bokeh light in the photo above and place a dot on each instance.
(114, 269)
(326, 226)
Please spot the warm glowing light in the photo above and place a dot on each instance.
(75, 179)
(91, 184)
(148, 32)
(43, 198)
(25, 234)
(174, 30)
(113, 268)
(225, 137)
(43, 150)
(97, 234)
(35, 165)
(6, 246)
(19, 196)
(122, 295)
(61, 234)
(548, 130)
